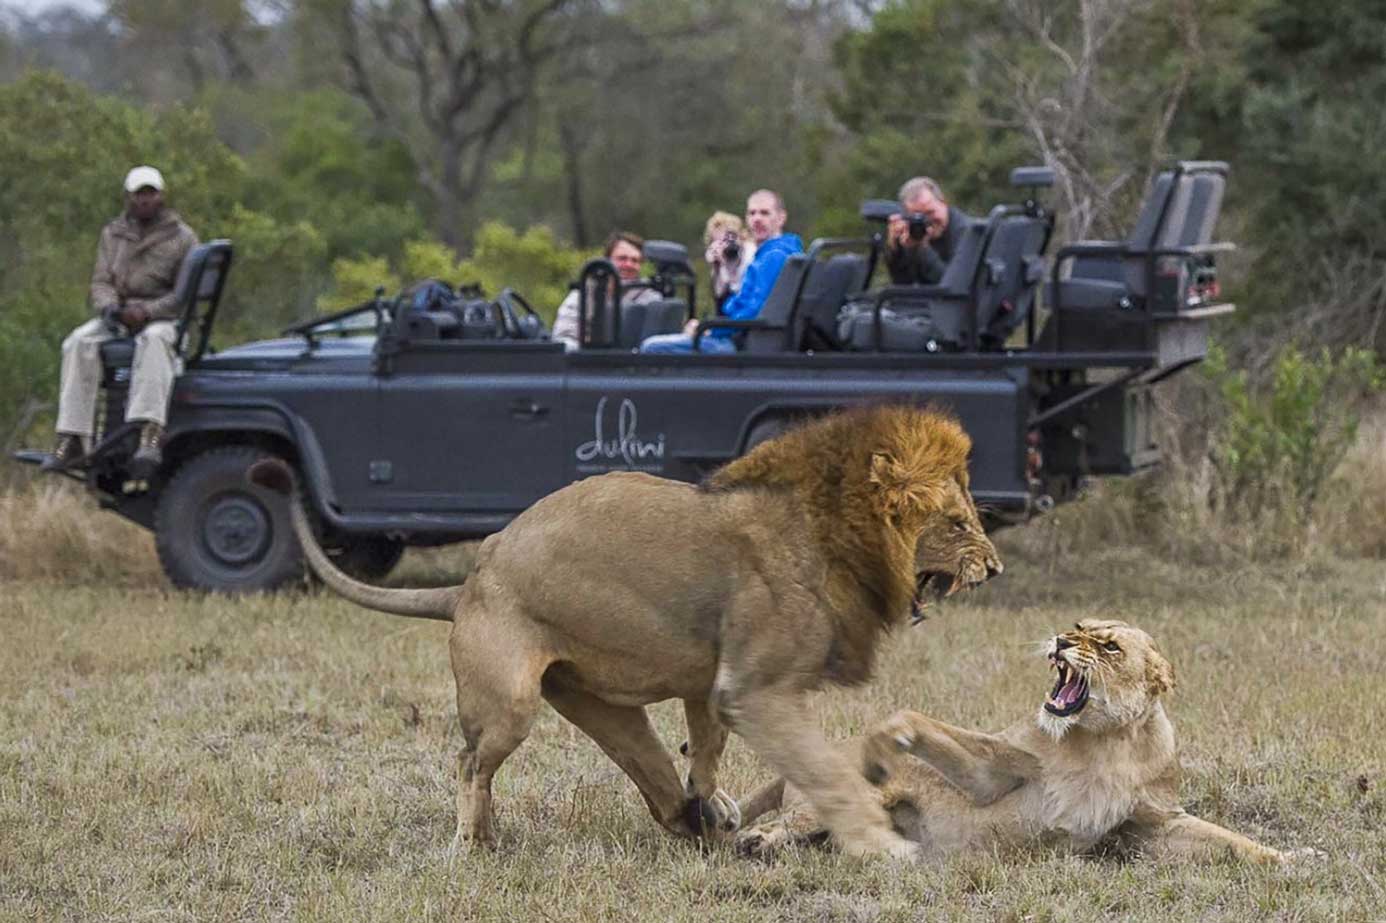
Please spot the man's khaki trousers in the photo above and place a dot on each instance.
(151, 376)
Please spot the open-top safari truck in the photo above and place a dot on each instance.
(428, 420)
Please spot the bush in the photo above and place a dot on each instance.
(1251, 471)
(1276, 448)
(534, 263)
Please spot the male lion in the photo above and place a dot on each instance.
(804, 551)
(1099, 760)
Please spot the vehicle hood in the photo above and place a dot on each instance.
(289, 351)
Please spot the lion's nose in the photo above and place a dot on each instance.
(1061, 643)
(994, 568)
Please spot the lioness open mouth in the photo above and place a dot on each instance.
(929, 587)
(1070, 691)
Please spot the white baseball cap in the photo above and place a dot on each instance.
(143, 176)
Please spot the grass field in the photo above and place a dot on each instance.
(173, 757)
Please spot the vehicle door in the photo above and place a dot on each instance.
(470, 426)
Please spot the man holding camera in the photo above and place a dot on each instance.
(922, 239)
(137, 264)
(765, 216)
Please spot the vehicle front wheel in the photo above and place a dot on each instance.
(214, 530)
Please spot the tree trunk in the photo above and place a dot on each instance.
(572, 176)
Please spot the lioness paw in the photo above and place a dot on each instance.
(1302, 854)
(761, 842)
(883, 746)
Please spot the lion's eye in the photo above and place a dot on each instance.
(959, 525)
(1111, 647)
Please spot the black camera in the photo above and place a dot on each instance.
(918, 224)
(731, 248)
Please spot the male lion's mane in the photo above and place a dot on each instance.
(862, 479)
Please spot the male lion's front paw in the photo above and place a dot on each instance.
(718, 815)
(883, 747)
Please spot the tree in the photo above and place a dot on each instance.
(470, 70)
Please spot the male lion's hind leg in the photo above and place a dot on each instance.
(497, 679)
(625, 735)
(709, 807)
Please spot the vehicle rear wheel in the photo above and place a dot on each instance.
(367, 558)
(216, 531)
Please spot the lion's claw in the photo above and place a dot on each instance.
(719, 814)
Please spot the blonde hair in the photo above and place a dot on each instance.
(722, 221)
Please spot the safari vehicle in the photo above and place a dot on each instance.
(422, 421)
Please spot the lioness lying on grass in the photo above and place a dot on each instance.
(1098, 764)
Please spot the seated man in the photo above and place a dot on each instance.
(623, 249)
(918, 251)
(765, 216)
(137, 263)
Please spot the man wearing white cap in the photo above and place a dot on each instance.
(137, 263)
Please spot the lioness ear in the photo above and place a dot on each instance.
(899, 492)
(1159, 674)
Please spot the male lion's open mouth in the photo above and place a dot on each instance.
(1070, 691)
(929, 587)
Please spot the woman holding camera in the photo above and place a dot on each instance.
(923, 237)
(729, 251)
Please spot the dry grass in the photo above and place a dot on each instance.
(174, 757)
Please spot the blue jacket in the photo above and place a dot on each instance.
(759, 279)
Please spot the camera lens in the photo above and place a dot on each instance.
(731, 251)
(919, 226)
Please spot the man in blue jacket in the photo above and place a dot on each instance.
(765, 216)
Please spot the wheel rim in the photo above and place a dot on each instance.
(236, 530)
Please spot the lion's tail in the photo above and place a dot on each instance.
(274, 474)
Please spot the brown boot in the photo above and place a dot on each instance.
(67, 450)
(150, 455)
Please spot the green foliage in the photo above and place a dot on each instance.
(534, 263)
(65, 152)
(912, 99)
(277, 268)
(316, 157)
(1277, 447)
(355, 281)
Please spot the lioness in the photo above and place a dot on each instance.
(1098, 760)
(804, 551)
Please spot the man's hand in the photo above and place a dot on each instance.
(691, 327)
(898, 233)
(134, 317)
(713, 255)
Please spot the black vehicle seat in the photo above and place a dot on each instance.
(778, 308)
(1011, 273)
(829, 286)
(1178, 213)
(197, 292)
(651, 318)
(924, 317)
(432, 325)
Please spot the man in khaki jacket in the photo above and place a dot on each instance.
(137, 263)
